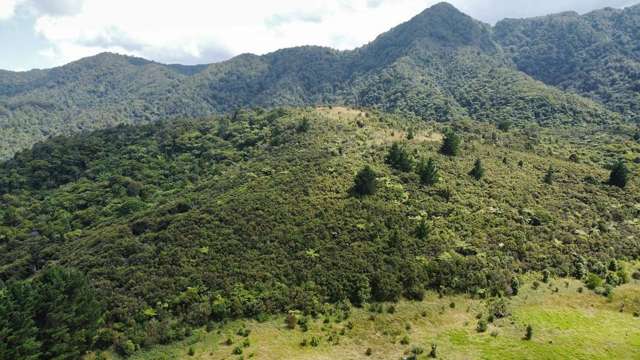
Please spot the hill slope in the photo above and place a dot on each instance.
(186, 222)
(440, 65)
(596, 55)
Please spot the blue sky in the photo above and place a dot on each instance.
(47, 33)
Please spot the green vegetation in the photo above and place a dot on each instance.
(595, 54)
(399, 159)
(478, 171)
(564, 324)
(365, 182)
(180, 224)
(428, 172)
(440, 66)
(619, 175)
(54, 316)
(450, 144)
(268, 232)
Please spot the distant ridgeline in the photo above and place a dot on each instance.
(179, 224)
(441, 65)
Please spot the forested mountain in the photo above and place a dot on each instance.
(596, 55)
(441, 65)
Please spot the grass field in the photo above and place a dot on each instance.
(566, 324)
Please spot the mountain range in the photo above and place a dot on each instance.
(440, 65)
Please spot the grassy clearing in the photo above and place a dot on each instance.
(566, 324)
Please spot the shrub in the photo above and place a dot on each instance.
(434, 351)
(191, 351)
(548, 177)
(369, 352)
(593, 281)
(482, 326)
(291, 320)
(315, 341)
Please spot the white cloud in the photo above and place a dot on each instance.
(201, 31)
(8, 8)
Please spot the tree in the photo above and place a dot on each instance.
(528, 333)
(428, 172)
(515, 285)
(504, 125)
(68, 313)
(422, 230)
(18, 330)
(478, 171)
(451, 144)
(619, 175)
(548, 177)
(365, 182)
(398, 158)
(434, 351)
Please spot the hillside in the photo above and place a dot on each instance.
(180, 223)
(440, 65)
(595, 55)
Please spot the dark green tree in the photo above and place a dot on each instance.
(428, 172)
(68, 314)
(18, 330)
(422, 230)
(478, 171)
(398, 158)
(549, 176)
(515, 286)
(528, 335)
(365, 182)
(619, 175)
(451, 144)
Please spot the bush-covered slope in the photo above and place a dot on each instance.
(200, 220)
(440, 65)
(596, 55)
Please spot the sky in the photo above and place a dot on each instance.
(48, 33)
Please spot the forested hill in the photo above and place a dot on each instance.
(440, 65)
(181, 223)
(596, 54)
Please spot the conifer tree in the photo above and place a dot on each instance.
(398, 158)
(422, 230)
(451, 144)
(548, 177)
(619, 175)
(365, 182)
(428, 172)
(478, 171)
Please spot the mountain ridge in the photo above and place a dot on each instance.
(418, 67)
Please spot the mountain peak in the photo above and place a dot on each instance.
(441, 25)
